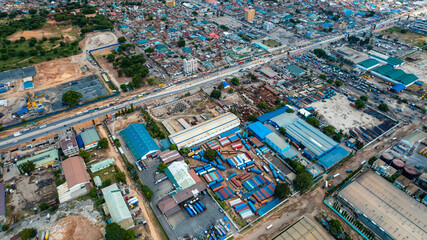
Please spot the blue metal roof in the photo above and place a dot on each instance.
(301, 131)
(138, 140)
(259, 130)
(80, 141)
(399, 87)
(229, 132)
(22, 111)
(265, 117)
(28, 85)
(332, 157)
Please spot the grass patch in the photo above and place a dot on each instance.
(271, 43)
(102, 174)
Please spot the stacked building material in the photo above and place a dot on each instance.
(254, 183)
(263, 194)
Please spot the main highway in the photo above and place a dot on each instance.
(174, 89)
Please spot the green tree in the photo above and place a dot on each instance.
(282, 190)
(230, 91)
(85, 155)
(252, 117)
(329, 130)
(330, 81)
(121, 39)
(364, 98)
(282, 130)
(148, 193)
(289, 110)
(106, 183)
(359, 104)
(5, 227)
(383, 107)
(71, 98)
(184, 151)
(28, 233)
(322, 76)
(92, 192)
(303, 181)
(111, 57)
(210, 154)
(43, 206)
(320, 53)
(221, 86)
(161, 167)
(338, 83)
(262, 105)
(359, 145)
(173, 147)
(120, 176)
(216, 94)
(372, 160)
(113, 231)
(124, 87)
(103, 143)
(117, 143)
(181, 42)
(370, 47)
(313, 121)
(32, 11)
(335, 227)
(235, 81)
(27, 167)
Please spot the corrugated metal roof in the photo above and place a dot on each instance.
(74, 169)
(101, 165)
(259, 130)
(115, 203)
(41, 158)
(277, 141)
(332, 157)
(138, 140)
(178, 173)
(90, 136)
(265, 117)
(312, 138)
(368, 63)
(303, 229)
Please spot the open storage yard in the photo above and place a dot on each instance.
(337, 112)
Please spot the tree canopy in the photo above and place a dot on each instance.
(216, 94)
(71, 98)
(121, 39)
(282, 130)
(383, 107)
(28, 233)
(235, 81)
(27, 167)
(282, 190)
(329, 130)
(184, 151)
(313, 121)
(210, 154)
(335, 227)
(103, 143)
(359, 104)
(364, 98)
(161, 167)
(113, 231)
(303, 181)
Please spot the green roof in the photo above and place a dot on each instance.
(394, 61)
(115, 203)
(295, 69)
(90, 136)
(396, 74)
(41, 158)
(178, 174)
(101, 165)
(368, 63)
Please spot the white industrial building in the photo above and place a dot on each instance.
(204, 131)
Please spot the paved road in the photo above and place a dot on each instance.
(195, 83)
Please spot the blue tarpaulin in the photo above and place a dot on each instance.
(80, 141)
(399, 87)
(22, 111)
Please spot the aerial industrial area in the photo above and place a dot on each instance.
(214, 119)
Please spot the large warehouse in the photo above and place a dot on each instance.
(139, 141)
(204, 131)
(303, 229)
(317, 143)
(385, 208)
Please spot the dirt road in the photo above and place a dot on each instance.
(154, 232)
(311, 203)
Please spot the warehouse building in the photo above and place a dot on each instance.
(368, 64)
(77, 179)
(295, 70)
(260, 131)
(280, 146)
(204, 131)
(316, 143)
(187, 185)
(139, 141)
(43, 158)
(88, 139)
(267, 116)
(396, 76)
(169, 156)
(303, 229)
(115, 207)
(394, 62)
(101, 165)
(384, 208)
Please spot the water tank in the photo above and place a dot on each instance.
(387, 157)
(410, 172)
(397, 164)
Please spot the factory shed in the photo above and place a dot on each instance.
(139, 141)
(204, 131)
(332, 157)
(301, 132)
(42, 158)
(259, 130)
(90, 138)
(386, 59)
(265, 117)
(269, 72)
(280, 146)
(16, 74)
(393, 75)
(398, 87)
(295, 70)
(368, 64)
(178, 174)
(168, 206)
(303, 229)
(77, 179)
(116, 206)
(169, 156)
(101, 165)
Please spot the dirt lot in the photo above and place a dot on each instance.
(70, 33)
(110, 70)
(28, 194)
(347, 117)
(410, 38)
(75, 227)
